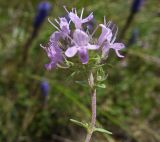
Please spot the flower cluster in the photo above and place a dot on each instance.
(67, 41)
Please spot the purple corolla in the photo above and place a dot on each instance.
(63, 26)
(81, 45)
(54, 52)
(107, 41)
(78, 21)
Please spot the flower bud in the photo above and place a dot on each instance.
(91, 80)
(136, 5)
(44, 87)
(42, 12)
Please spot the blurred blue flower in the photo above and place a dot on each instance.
(136, 5)
(42, 12)
(134, 37)
(44, 86)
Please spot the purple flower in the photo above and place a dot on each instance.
(106, 40)
(106, 34)
(79, 41)
(81, 45)
(78, 21)
(63, 26)
(53, 51)
(42, 12)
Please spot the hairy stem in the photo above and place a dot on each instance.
(93, 119)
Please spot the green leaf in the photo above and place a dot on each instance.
(101, 85)
(101, 78)
(69, 63)
(98, 66)
(83, 83)
(82, 124)
(73, 74)
(101, 130)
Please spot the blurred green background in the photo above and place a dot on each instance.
(129, 106)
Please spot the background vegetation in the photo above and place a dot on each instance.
(128, 106)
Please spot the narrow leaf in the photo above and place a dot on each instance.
(85, 125)
(101, 85)
(101, 130)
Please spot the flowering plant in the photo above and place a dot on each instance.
(69, 41)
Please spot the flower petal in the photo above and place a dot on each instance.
(105, 50)
(88, 18)
(83, 54)
(71, 51)
(55, 37)
(106, 34)
(80, 37)
(76, 20)
(64, 25)
(50, 65)
(92, 47)
(118, 46)
(118, 54)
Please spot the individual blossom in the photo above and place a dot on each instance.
(107, 39)
(55, 56)
(54, 38)
(63, 26)
(54, 52)
(106, 34)
(81, 46)
(78, 21)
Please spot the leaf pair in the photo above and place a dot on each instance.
(87, 127)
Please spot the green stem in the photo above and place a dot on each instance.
(93, 119)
